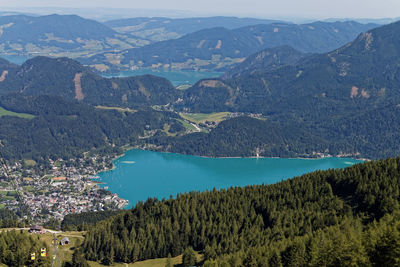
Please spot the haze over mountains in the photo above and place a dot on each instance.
(58, 34)
(160, 29)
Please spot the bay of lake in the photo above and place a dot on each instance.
(141, 174)
(16, 59)
(176, 77)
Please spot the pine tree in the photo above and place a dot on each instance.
(168, 263)
(78, 259)
(189, 257)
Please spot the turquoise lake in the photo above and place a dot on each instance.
(14, 58)
(140, 174)
(176, 77)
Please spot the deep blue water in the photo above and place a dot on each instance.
(142, 174)
(14, 58)
(176, 77)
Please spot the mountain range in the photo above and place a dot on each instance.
(342, 102)
(358, 76)
(218, 48)
(346, 99)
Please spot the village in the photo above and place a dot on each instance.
(39, 194)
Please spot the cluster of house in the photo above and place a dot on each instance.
(63, 189)
(68, 195)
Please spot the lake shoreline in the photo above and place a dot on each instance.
(226, 157)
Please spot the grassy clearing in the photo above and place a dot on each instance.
(117, 109)
(29, 162)
(166, 130)
(188, 126)
(149, 263)
(4, 112)
(183, 86)
(65, 252)
(203, 117)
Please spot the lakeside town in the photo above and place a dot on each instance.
(39, 193)
(42, 191)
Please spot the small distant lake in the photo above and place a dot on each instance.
(15, 58)
(140, 174)
(176, 77)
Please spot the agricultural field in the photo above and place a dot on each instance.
(203, 117)
(4, 112)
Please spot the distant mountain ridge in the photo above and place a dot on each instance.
(161, 28)
(70, 34)
(218, 48)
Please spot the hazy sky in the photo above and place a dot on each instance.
(263, 8)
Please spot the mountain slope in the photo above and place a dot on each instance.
(59, 34)
(67, 78)
(265, 60)
(217, 48)
(59, 128)
(348, 97)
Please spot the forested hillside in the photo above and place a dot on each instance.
(265, 60)
(60, 128)
(67, 78)
(244, 137)
(370, 134)
(326, 218)
(17, 247)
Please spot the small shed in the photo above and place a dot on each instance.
(64, 241)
